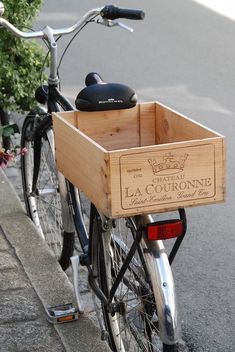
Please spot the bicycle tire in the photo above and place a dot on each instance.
(136, 328)
(44, 207)
(6, 141)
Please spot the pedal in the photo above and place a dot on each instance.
(62, 314)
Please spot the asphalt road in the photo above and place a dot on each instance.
(183, 55)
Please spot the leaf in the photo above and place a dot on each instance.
(9, 130)
(15, 127)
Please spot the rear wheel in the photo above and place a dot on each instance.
(132, 321)
(168, 348)
(44, 207)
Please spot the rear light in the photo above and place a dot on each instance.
(164, 230)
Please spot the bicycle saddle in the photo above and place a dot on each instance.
(99, 95)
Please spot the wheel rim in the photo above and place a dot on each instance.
(44, 207)
(135, 328)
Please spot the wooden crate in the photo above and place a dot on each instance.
(146, 159)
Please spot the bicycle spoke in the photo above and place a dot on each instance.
(134, 327)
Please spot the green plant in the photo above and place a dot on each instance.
(20, 60)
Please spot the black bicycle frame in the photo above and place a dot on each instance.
(95, 233)
(56, 102)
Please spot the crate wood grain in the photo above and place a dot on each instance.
(146, 159)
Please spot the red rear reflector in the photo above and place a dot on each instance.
(164, 230)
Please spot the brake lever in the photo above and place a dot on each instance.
(124, 26)
(111, 23)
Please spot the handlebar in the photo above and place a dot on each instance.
(55, 32)
(109, 12)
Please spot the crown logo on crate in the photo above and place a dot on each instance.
(169, 163)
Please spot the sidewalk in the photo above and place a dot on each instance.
(30, 281)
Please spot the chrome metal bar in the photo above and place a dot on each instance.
(76, 283)
(48, 33)
(164, 291)
(18, 33)
(163, 287)
(55, 32)
(79, 24)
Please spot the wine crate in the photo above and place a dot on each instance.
(142, 160)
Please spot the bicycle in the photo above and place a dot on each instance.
(129, 274)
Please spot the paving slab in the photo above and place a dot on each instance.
(31, 281)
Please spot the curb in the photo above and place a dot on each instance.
(51, 284)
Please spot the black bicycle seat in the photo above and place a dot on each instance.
(99, 95)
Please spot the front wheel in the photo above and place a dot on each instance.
(4, 120)
(44, 206)
(132, 320)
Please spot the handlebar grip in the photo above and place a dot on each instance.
(111, 12)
